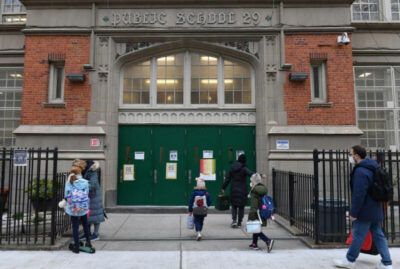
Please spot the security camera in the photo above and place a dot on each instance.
(343, 39)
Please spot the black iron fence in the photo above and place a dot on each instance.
(30, 189)
(318, 204)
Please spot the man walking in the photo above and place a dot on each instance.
(237, 178)
(366, 214)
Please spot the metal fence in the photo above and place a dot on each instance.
(30, 189)
(318, 204)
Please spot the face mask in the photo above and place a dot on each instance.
(351, 160)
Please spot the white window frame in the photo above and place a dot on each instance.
(52, 90)
(13, 17)
(322, 84)
(385, 13)
(187, 85)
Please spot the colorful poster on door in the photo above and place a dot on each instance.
(171, 170)
(129, 172)
(207, 169)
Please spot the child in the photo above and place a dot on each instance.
(77, 205)
(199, 201)
(258, 190)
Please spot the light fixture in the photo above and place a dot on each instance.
(169, 98)
(364, 75)
(208, 58)
(76, 77)
(168, 59)
(215, 81)
(16, 75)
(164, 81)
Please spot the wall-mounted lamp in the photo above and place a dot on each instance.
(298, 76)
(76, 77)
(286, 67)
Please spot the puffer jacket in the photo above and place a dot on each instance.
(237, 178)
(96, 214)
(77, 196)
(363, 206)
(256, 193)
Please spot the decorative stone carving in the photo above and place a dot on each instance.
(270, 40)
(188, 117)
(103, 72)
(243, 46)
(103, 41)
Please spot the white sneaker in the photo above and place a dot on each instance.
(382, 266)
(198, 237)
(344, 263)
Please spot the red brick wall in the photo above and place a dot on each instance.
(77, 96)
(340, 87)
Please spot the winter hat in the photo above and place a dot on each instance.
(201, 184)
(255, 179)
(242, 158)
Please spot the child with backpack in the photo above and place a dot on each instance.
(199, 201)
(77, 206)
(257, 193)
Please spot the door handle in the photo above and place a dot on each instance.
(155, 176)
(190, 176)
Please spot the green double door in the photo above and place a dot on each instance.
(157, 165)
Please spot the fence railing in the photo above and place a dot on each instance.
(30, 189)
(318, 203)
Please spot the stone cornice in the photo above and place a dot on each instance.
(70, 3)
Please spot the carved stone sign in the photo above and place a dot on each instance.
(161, 18)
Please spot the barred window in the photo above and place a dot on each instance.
(11, 79)
(366, 10)
(395, 8)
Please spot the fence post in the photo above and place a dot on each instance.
(274, 185)
(316, 196)
(54, 200)
(291, 198)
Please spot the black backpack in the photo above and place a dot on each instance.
(381, 189)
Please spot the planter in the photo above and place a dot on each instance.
(41, 204)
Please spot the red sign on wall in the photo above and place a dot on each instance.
(94, 142)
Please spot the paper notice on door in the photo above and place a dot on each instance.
(139, 155)
(129, 172)
(173, 155)
(171, 170)
(208, 154)
(207, 169)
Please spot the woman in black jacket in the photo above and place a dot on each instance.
(237, 177)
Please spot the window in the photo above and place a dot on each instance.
(395, 9)
(318, 82)
(136, 89)
(56, 82)
(378, 105)
(187, 79)
(204, 79)
(11, 79)
(13, 11)
(237, 82)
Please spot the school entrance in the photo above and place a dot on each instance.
(157, 165)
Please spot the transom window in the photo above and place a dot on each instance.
(11, 79)
(187, 79)
(378, 105)
(13, 11)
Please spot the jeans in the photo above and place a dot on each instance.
(235, 210)
(75, 228)
(96, 226)
(359, 231)
(198, 222)
(262, 236)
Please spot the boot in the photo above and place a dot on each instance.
(75, 249)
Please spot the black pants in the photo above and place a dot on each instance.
(262, 236)
(75, 228)
(235, 216)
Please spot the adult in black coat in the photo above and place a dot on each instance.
(237, 178)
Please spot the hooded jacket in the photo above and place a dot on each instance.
(256, 193)
(237, 177)
(95, 194)
(198, 192)
(77, 196)
(363, 206)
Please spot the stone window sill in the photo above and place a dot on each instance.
(318, 105)
(53, 105)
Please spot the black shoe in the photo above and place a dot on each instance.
(234, 224)
(74, 248)
(88, 244)
(239, 224)
(270, 245)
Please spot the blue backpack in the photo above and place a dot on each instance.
(267, 207)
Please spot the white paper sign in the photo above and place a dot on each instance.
(171, 170)
(129, 172)
(282, 144)
(20, 157)
(139, 155)
(173, 155)
(208, 154)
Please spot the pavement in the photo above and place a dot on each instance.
(162, 241)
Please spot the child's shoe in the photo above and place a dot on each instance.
(234, 224)
(198, 237)
(254, 246)
(94, 237)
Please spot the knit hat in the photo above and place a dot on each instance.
(255, 179)
(201, 184)
(242, 158)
